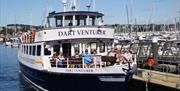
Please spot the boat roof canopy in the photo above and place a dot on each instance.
(76, 13)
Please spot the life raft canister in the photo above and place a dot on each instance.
(151, 61)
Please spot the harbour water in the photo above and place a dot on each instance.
(12, 80)
(10, 77)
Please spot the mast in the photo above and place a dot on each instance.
(64, 2)
(15, 26)
(127, 12)
(94, 5)
(74, 5)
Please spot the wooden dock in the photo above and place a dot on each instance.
(159, 78)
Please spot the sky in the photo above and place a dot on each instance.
(34, 12)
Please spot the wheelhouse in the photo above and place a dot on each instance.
(74, 18)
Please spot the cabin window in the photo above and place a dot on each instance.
(58, 23)
(102, 47)
(52, 22)
(47, 50)
(27, 50)
(24, 49)
(33, 50)
(38, 50)
(82, 22)
(30, 50)
(76, 48)
(56, 48)
(90, 21)
(93, 46)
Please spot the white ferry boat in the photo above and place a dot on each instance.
(73, 32)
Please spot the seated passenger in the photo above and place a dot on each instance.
(59, 59)
(121, 59)
(77, 54)
(112, 52)
(87, 58)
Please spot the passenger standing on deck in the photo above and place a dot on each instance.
(128, 55)
(87, 58)
(96, 58)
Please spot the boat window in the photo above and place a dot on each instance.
(30, 50)
(90, 21)
(47, 50)
(102, 47)
(26, 49)
(93, 46)
(76, 48)
(58, 23)
(22, 48)
(52, 22)
(56, 48)
(34, 50)
(38, 50)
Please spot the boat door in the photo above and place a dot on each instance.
(66, 48)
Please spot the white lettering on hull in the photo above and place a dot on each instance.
(79, 70)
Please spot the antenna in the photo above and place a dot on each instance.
(64, 2)
(94, 4)
(89, 5)
(74, 5)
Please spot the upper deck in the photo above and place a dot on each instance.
(74, 25)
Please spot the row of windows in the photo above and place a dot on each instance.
(33, 50)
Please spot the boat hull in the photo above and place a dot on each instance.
(68, 82)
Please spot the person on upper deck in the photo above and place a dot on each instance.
(70, 23)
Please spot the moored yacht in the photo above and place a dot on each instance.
(53, 58)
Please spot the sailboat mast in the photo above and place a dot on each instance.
(15, 26)
(127, 12)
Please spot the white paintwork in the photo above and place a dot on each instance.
(77, 33)
(112, 79)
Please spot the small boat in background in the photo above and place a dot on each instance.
(15, 42)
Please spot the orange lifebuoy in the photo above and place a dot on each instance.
(151, 61)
